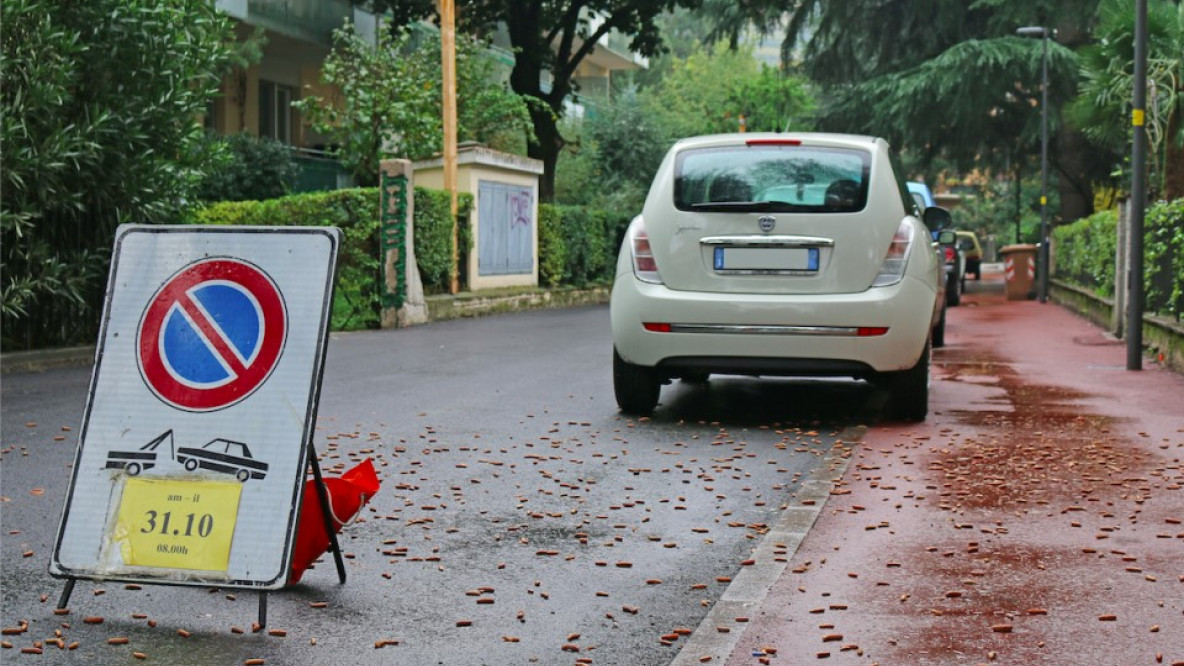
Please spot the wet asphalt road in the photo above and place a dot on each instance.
(521, 519)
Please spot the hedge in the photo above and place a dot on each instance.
(582, 240)
(1085, 252)
(356, 303)
(577, 245)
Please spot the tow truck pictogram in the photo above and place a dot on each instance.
(134, 462)
(218, 455)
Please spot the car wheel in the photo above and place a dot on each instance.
(191, 464)
(636, 387)
(132, 469)
(242, 475)
(909, 391)
(953, 291)
(939, 331)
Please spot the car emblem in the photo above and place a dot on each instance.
(767, 223)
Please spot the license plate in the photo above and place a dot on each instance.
(766, 259)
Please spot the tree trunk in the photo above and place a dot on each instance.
(1173, 161)
(1079, 165)
(545, 148)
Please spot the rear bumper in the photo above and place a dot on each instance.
(772, 334)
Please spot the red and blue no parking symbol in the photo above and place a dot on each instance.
(212, 334)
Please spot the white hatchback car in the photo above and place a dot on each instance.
(780, 255)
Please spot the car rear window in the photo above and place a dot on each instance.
(772, 177)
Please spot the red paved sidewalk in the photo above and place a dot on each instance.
(1036, 517)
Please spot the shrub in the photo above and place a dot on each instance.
(98, 128)
(1085, 252)
(433, 236)
(356, 302)
(552, 246)
(1164, 258)
(254, 169)
(591, 238)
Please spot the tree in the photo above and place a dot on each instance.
(621, 146)
(390, 99)
(948, 78)
(101, 101)
(739, 86)
(1107, 69)
(255, 168)
(551, 38)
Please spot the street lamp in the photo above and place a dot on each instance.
(1044, 34)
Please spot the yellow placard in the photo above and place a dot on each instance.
(177, 524)
(1138, 117)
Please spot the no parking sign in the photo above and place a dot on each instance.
(192, 455)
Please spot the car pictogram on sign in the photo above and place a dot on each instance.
(212, 334)
(225, 456)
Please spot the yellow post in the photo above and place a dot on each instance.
(447, 9)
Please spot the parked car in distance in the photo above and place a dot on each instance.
(968, 243)
(921, 194)
(953, 261)
(955, 271)
(783, 255)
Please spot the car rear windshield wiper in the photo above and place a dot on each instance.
(755, 206)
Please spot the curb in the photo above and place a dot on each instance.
(476, 304)
(747, 591)
(46, 359)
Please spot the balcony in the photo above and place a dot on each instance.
(307, 20)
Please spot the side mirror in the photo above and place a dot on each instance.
(947, 237)
(937, 218)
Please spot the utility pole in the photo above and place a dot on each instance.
(1134, 322)
(447, 9)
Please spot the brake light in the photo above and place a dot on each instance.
(657, 327)
(871, 331)
(950, 255)
(897, 258)
(645, 267)
(774, 142)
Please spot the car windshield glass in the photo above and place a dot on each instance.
(772, 178)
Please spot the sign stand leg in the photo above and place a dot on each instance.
(262, 609)
(66, 592)
(326, 512)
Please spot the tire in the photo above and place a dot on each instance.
(132, 469)
(191, 464)
(242, 475)
(953, 291)
(909, 391)
(636, 387)
(939, 331)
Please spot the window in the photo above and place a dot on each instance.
(275, 111)
(772, 178)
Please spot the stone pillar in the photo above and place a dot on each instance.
(402, 291)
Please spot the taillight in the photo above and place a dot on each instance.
(774, 142)
(645, 267)
(950, 255)
(897, 258)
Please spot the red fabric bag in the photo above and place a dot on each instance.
(347, 495)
